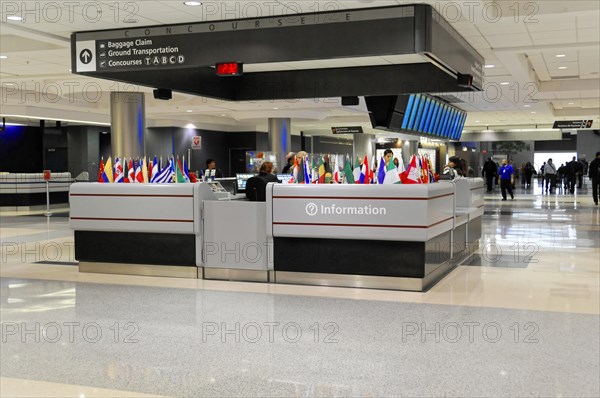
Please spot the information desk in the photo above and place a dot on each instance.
(397, 237)
(27, 190)
(377, 236)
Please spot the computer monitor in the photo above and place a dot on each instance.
(241, 181)
(284, 178)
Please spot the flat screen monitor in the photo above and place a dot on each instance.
(284, 178)
(241, 181)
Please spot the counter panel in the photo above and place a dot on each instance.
(148, 208)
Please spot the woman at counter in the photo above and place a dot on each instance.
(266, 172)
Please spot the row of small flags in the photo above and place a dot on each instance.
(419, 171)
(140, 171)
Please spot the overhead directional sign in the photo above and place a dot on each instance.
(347, 130)
(573, 124)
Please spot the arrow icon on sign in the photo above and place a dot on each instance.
(85, 56)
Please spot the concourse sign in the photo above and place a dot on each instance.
(573, 124)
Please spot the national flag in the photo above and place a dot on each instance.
(321, 171)
(365, 173)
(412, 175)
(336, 172)
(372, 175)
(381, 172)
(166, 174)
(145, 171)
(357, 171)
(391, 174)
(425, 172)
(295, 171)
(107, 174)
(155, 169)
(307, 176)
(186, 172)
(179, 173)
(118, 174)
(139, 177)
(101, 170)
(131, 171)
(348, 171)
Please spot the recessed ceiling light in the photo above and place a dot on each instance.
(14, 18)
(571, 103)
(560, 55)
(10, 84)
(222, 114)
(275, 108)
(504, 83)
(490, 66)
(3, 57)
(533, 112)
(189, 111)
(476, 121)
(192, 3)
(526, 106)
(562, 67)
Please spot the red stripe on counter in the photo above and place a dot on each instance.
(132, 195)
(362, 225)
(127, 219)
(358, 198)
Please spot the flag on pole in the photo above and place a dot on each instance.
(336, 172)
(107, 174)
(186, 172)
(321, 171)
(357, 171)
(307, 176)
(391, 174)
(131, 171)
(382, 171)
(365, 173)
(165, 175)
(179, 173)
(145, 171)
(295, 171)
(348, 171)
(101, 170)
(118, 171)
(139, 177)
(155, 170)
(412, 175)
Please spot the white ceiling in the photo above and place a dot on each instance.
(546, 57)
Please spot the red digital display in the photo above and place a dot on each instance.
(229, 69)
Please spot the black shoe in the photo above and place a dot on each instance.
(503, 198)
(512, 197)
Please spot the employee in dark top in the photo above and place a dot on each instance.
(490, 171)
(266, 172)
(594, 173)
(507, 179)
(211, 169)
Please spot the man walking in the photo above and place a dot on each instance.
(594, 173)
(507, 179)
(550, 176)
(490, 172)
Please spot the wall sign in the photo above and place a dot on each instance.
(196, 142)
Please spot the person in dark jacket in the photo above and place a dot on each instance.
(529, 172)
(571, 174)
(266, 172)
(490, 172)
(594, 174)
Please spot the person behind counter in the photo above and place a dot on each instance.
(451, 168)
(211, 169)
(287, 169)
(266, 172)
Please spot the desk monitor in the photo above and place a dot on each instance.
(284, 178)
(241, 181)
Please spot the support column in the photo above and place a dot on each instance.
(364, 144)
(128, 124)
(409, 148)
(280, 139)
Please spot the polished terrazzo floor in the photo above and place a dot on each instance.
(519, 318)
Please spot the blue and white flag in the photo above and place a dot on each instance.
(165, 175)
